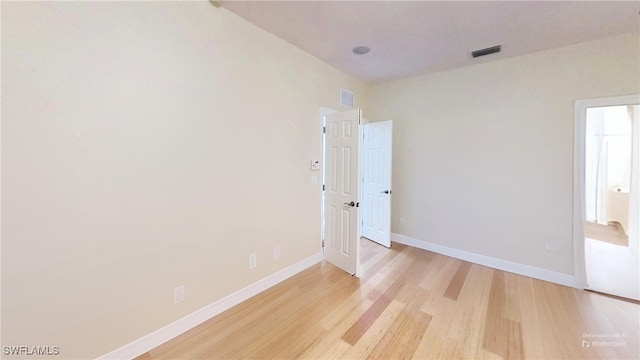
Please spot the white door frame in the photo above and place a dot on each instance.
(323, 112)
(579, 141)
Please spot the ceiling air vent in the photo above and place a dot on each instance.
(346, 98)
(486, 51)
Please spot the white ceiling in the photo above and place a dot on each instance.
(418, 37)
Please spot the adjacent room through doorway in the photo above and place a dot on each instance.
(611, 199)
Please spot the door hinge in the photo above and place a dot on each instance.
(324, 129)
(322, 187)
(357, 204)
(323, 243)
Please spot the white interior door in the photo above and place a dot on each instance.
(341, 190)
(376, 182)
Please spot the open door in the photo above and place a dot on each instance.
(341, 190)
(376, 182)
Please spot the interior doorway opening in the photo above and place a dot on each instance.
(344, 209)
(607, 148)
(375, 186)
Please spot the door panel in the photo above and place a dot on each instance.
(376, 182)
(341, 190)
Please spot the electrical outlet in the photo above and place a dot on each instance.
(276, 252)
(178, 294)
(252, 260)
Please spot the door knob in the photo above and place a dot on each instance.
(385, 192)
(352, 204)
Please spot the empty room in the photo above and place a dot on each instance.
(320, 179)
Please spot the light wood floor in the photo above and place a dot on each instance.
(411, 303)
(612, 233)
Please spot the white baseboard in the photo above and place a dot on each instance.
(505, 265)
(160, 336)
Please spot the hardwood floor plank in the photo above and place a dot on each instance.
(402, 337)
(280, 326)
(382, 259)
(388, 274)
(501, 335)
(440, 273)
(355, 332)
(364, 347)
(453, 290)
(612, 233)
(511, 308)
(405, 332)
(214, 331)
(333, 349)
(331, 345)
(465, 320)
(297, 336)
(437, 280)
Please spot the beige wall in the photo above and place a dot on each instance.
(483, 154)
(148, 145)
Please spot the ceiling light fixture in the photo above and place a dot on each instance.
(361, 50)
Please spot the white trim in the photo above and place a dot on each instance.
(323, 114)
(160, 336)
(580, 119)
(610, 101)
(500, 264)
(579, 130)
(361, 124)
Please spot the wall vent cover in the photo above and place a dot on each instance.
(346, 98)
(486, 51)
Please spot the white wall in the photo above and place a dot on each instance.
(483, 154)
(147, 145)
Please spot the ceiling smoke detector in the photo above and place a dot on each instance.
(361, 50)
(486, 51)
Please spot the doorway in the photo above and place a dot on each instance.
(607, 154)
(376, 181)
(344, 211)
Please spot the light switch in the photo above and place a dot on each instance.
(315, 165)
